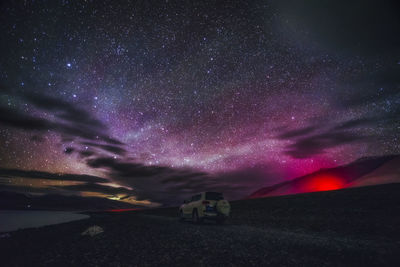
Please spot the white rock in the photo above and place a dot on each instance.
(93, 230)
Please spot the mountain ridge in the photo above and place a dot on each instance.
(19, 201)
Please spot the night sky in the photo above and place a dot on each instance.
(151, 101)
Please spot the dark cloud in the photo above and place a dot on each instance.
(63, 109)
(296, 133)
(92, 187)
(30, 190)
(88, 183)
(149, 182)
(14, 118)
(318, 138)
(86, 153)
(235, 184)
(13, 173)
(126, 169)
(171, 185)
(184, 176)
(108, 148)
(317, 144)
(68, 189)
(23, 121)
(354, 123)
(85, 133)
(382, 119)
(72, 122)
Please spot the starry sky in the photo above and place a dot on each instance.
(151, 101)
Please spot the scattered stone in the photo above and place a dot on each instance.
(93, 230)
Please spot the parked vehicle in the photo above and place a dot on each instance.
(206, 205)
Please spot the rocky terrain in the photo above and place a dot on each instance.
(351, 227)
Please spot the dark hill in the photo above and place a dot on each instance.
(12, 200)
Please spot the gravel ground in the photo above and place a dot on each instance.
(156, 238)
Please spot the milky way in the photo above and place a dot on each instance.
(217, 92)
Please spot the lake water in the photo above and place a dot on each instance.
(11, 220)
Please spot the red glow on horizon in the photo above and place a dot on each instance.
(301, 167)
(324, 182)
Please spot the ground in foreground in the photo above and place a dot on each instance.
(351, 227)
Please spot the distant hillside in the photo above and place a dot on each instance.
(12, 200)
(364, 171)
(385, 174)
